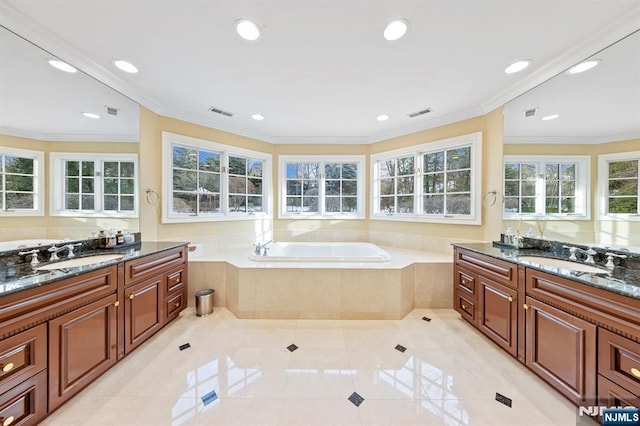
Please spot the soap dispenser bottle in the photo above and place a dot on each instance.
(119, 238)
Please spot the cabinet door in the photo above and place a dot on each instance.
(498, 317)
(82, 346)
(143, 314)
(612, 395)
(619, 360)
(561, 349)
(25, 404)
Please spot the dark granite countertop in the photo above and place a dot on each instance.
(18, 275)
(624, 279)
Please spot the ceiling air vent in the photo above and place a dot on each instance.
(111, 110)
(418, 113)
(219, 111)
(530, 112)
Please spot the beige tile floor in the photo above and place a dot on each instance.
(448, 375)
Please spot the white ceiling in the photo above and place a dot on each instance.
(322, 71)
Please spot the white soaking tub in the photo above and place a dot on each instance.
(322, 252)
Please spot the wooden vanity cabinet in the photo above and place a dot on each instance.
(58, 338)
(486, 295)
(154, 294)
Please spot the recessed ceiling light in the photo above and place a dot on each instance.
(62, 66)
(518, 66)
(396, 29)
(258, 117)
(583, 66)
(382, 117)
(125, 66)
(91, 115)
(550, 117)
(248, 30)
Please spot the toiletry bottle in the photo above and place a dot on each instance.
(102, 239)
(119, 237)
(508, 236)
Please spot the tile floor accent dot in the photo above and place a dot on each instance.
(400, 348)
(503, 399)
(427, 319)
(448, 377)
(292, 347)
(356, 399)
(185, 346)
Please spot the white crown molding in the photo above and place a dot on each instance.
(598, 41)
(336, 140)
(571, 140)
(69, 137)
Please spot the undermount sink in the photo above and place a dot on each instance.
(564, 264)
(80, 261)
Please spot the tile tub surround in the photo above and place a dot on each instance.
(324, 290)
(449, 374)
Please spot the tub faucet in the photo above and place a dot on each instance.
(589, 253)
(261, 249)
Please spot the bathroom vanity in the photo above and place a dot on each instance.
(61, 329)
(579, 331)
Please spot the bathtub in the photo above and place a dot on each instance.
(322, 252)
(20, 244)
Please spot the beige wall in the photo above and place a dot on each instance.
(230, 232)
(16, 228)
(594, 230)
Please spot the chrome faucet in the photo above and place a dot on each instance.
(54, 252)
(589, 253)
(34, 255)
(610, 256)
(261, 249)
(71, 247)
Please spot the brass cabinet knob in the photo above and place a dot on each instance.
(525, 306)
(7, 421)
(510, 299)
(177, 304)
(635, 372)
(131, 296)
(116, 303)
(7, 367)
(464, 306)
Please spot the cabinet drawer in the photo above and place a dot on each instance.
(25, 404)
(174, 305)
(465, 281)
(22, 356)
(174, 281)
(612, 395)
(149, 266)
(498, 270)
(619, 360)
(466, 306)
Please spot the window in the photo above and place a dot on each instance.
(619, 181)
(21, 182)
(321, 186)
(204, 181)
(551, 186)
(432, 182)
(93, 184)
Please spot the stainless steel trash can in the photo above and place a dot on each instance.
(204, 302)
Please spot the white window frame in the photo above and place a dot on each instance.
(38, 182)
(472, 140)
(283, 160)
(583, 176)
(603, 186)
(169, 216)
(57, 176)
